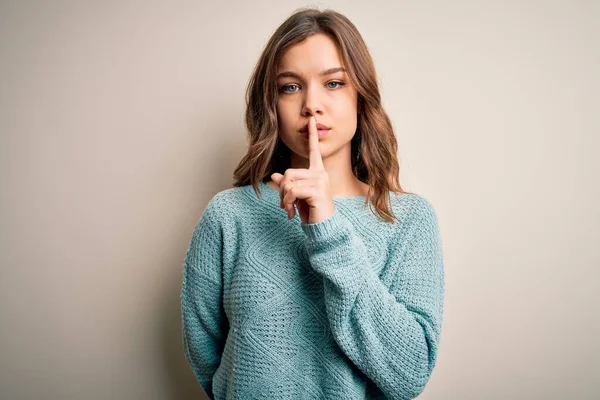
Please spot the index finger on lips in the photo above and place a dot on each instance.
(314, 151)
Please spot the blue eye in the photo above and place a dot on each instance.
(284, 87)
(339, 83)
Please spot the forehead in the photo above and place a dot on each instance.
(314, 54)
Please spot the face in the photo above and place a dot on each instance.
(303, 91)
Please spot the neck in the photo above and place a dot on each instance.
(339, 168)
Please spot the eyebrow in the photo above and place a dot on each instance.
(290, 74)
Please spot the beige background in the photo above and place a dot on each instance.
(120, 120)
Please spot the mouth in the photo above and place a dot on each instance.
(321, 129)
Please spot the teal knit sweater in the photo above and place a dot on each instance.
(347, 308)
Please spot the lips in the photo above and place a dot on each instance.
(320, 127)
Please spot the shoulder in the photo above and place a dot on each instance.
(412, 205)
(224, 203)
(416, 214)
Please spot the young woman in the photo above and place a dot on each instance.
(316, 276)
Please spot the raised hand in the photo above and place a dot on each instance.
(308, 189)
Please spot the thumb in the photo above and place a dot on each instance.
(276, 177)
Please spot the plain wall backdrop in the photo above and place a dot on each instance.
(119, 120)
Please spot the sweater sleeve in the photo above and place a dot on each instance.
(204, 323)
(391, 332)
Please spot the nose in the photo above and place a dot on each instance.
(312, 102)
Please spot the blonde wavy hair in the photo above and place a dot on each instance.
(374, 145)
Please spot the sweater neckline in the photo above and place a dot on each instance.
(273, 194)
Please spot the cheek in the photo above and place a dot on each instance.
(345, 105)
(345, 112)
(283, 113)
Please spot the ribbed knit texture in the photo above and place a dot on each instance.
(347, 308)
